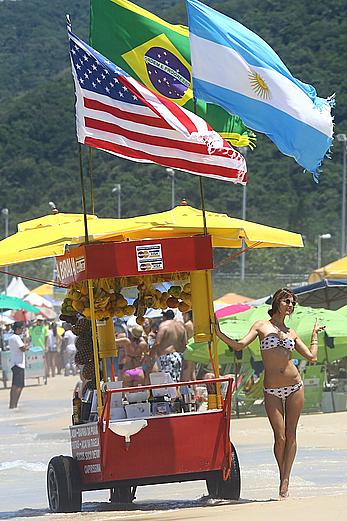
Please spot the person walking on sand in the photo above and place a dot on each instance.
(52, 348)
(69, 350)
(17, 354)
(283, 388)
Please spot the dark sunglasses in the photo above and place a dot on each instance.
(288, 302)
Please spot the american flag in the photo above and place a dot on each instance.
(116, 113)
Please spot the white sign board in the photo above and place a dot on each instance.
(149, 257)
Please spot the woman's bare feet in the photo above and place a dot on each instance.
(284, 494)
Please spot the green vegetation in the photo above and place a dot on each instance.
(38, 150)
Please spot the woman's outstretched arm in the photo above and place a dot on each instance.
(309, 353)
(238, 345)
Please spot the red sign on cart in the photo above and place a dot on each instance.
(131, 258)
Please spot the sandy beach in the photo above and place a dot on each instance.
(38, 430)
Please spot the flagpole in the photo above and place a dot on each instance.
(91, 295)
(202, 195)
(90, 155)
(83, 195)
(208, 274)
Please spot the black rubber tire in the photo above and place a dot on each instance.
(229, 489)
(63, 485)
(122, 494)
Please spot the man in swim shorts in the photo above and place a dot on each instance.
(170, 342)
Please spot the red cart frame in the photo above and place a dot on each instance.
(166, 448)
(187, 445)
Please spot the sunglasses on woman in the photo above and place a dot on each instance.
(288, 302)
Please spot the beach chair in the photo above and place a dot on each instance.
(313, 377)
(252, 400)
(242, 380)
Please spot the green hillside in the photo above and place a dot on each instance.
(38, 150)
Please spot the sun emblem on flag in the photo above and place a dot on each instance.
(259, 85)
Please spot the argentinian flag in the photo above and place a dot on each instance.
(236, 69)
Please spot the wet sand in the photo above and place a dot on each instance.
(38, 430)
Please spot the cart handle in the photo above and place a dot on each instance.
(174, 384)
(105, 415)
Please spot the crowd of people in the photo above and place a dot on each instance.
(57, 344)
(158, 345)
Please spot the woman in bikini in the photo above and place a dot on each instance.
(283, 388)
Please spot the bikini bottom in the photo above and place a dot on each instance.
(283, 392)
(134, 374)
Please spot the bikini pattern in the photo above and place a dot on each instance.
(273, 341)
(283, 392)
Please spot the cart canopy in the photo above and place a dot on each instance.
(48, 236)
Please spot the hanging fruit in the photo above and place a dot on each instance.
(109, 301)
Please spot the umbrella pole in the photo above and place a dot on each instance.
(236, 388)
(208, 274)
(327, 372)
(95, 347)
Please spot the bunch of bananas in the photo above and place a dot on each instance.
(66, 307)
(180, 298)
(109, 301)
(149, 297)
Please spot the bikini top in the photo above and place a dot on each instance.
(271, 341)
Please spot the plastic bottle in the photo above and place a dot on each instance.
(76, 409)
(86, 405)
(151, 400)
(185, 398)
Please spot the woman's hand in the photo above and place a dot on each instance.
(317, 328)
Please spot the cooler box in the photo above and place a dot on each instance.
(35, 363)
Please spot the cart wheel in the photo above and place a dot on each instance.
(122, 494)
(229, 489)
(63, 485)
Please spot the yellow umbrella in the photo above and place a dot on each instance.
(226, 231)
(334, 270)
(48, 236)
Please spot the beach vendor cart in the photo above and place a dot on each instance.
(154, 435)
(131, 438)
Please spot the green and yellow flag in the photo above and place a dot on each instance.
(158, 55)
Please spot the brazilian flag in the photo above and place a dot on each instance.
(158, 55)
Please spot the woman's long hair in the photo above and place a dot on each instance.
(280, 294)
